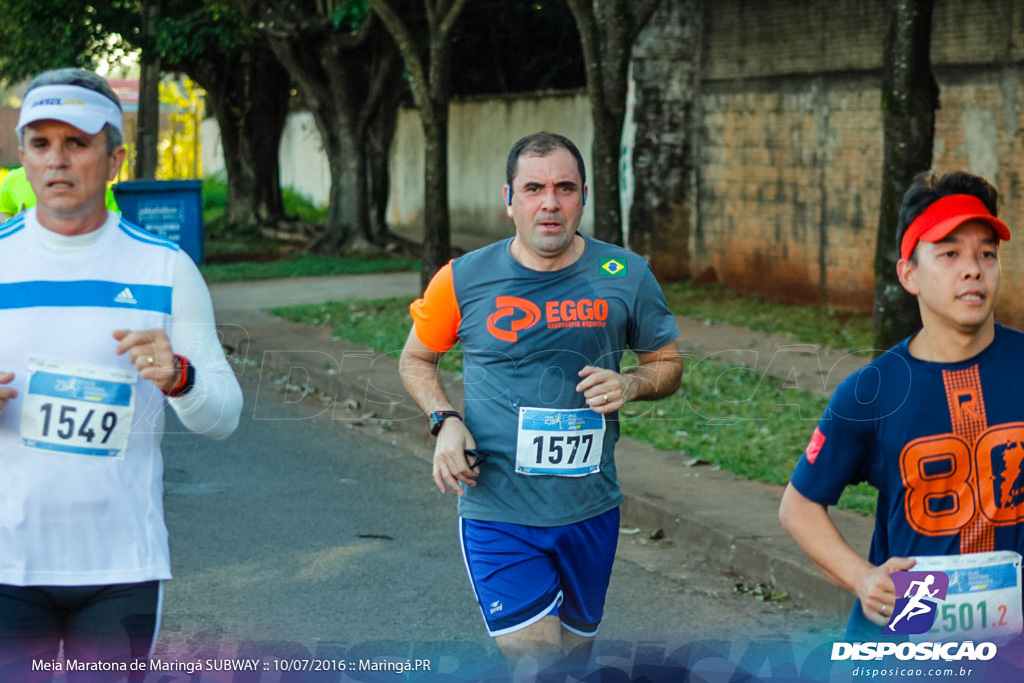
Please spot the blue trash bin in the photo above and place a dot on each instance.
(172, 209)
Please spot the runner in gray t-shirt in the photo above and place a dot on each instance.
(543, 320)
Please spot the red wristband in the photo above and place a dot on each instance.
(186, 380)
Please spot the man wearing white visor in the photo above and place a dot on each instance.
(103, 325)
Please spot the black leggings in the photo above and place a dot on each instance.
(112, 624)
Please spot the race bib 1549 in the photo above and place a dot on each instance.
(77, 409)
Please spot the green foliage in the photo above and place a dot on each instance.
(301, 206)
(304, 265)
(43, 34)
(381, 324)
(189, 30)
(735, 418)
(349, 15)
(215, 199)
(36, 35)
(253, 251)
(862, 498)
(509, 47)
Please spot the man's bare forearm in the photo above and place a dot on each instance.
(421, 376)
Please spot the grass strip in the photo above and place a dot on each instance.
(823, 325)
(306, 265)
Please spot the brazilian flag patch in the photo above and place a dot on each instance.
(613, 267)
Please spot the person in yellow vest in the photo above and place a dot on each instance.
(16, 195)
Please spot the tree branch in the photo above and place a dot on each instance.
(590, 40)
(642, 13)
(451, 15)
(410, 54)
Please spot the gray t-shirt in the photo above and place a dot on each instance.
(525, 335)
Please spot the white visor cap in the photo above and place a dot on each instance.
(84, 109)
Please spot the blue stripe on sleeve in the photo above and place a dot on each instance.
(146, 237)
(12, 226)
(81, 293)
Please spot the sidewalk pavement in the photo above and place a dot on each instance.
(729, 523)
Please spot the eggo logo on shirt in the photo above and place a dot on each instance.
(513, 315)
(508, 307)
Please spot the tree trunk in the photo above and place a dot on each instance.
(606, 203)
(249, 95)
(346, 81)
(149, 97)
(334, 123)
(437, 241)
(607, 30)
(666, 75)
(378, 130)
(344, 158)
(379, 135)
(910, 97)
(339, 213)
(430, 81)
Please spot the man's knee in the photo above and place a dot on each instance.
(542, 640)
(577, 648)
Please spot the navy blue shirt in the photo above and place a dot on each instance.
(942, 442)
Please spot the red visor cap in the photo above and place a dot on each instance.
(944, 216)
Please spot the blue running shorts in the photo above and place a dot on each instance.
(522, 574)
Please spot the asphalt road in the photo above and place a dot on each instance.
(303, 538)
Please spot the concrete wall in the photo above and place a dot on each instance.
(481, 133)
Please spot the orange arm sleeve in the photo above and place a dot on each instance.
(436, 316)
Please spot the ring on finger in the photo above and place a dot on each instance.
(883, 609)
(149, 360)
(606, 398)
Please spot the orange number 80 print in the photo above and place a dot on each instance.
(946, 480)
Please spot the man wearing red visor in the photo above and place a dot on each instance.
(937, 426)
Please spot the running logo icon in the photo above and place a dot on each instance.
(914, 613)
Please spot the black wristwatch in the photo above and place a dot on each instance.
(438, 418)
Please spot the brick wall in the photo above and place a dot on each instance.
(789, 140)
(788, 199)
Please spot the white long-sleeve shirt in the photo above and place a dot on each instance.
(81, 473)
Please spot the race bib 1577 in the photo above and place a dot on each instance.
(565, 443)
